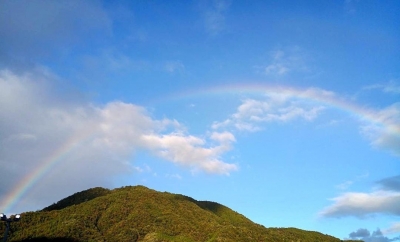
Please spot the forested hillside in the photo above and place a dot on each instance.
(141, 214)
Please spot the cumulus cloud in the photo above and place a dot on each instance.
(366, 236)
(274, 108)
(89, 142)
(190, 151)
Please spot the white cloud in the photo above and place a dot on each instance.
(362, 205)
(223, 138)
(89, 142)
(252, 113)
(190, 151)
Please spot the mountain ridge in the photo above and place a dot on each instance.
(137, 213)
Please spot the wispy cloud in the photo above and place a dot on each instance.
(389, 87)
(285, 61)
(394, 228)
(214, 15)
(111, 60)
(385, 136)
(174, 176)
(350, 6)
(252, 113)
(345, 185)
(174, 67)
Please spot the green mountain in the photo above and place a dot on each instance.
(141, 214)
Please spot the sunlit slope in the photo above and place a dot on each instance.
(141, 214)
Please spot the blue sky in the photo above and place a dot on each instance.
(287, 112)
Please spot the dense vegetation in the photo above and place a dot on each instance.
(141, 214)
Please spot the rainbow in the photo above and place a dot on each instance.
(25, 184)
(313, 94)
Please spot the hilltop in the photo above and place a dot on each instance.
(137, 213)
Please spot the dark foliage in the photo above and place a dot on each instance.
(141, 214)
(44, 239)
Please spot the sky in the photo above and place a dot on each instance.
(287, 112)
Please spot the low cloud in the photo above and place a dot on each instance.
(362, 205)
(360, 233)
(375, 236)
(90, 142)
